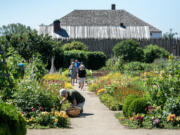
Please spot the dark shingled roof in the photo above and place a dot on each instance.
(103, 18)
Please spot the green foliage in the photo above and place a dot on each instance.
(92, 60)
(152, 52)
(172, 106)
(9, 73)
(170, 35)
(110, 102)
(30, 95)
(96, 60)
(74, 54)
(29, 43)
(75, 45)
(127, 103)
(166, 84)
(114, 64)
(12, 123)
(129, 50)
(137, 66)
(14, 29)
(36, 68)
(137, 106)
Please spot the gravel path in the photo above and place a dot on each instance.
(98, 120)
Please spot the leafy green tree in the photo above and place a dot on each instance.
(129, 50)
(170, 34)
(14, 29)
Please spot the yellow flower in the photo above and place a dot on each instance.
(56, 120)
(44, 113)
(68, 85)
(131, 118)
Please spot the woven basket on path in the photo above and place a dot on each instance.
(73, 111)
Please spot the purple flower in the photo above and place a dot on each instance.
(157, 121)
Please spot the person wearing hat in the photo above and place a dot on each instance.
(74, 97)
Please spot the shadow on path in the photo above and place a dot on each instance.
(83, 115)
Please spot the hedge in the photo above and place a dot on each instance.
(92, 60)
(74, 54)
(96, 60)
(11, 121)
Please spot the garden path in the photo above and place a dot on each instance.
(98, 120)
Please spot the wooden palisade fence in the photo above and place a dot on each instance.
(106, 45)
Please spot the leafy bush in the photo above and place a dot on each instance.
(30, 95)
(172, 106)
(161, 63)
(137, 66)
(129, 50)
(12, 123)
(92, 60)
(96, 60)
(127, 103)
(9, 73)
(137, 106)
(36, 69)
(152, 52)
(110, 102)
(75, 45)
(114, 64)
(74, 54)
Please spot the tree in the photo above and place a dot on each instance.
(14, 29)
(170, 34)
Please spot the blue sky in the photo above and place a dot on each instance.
(163, 14)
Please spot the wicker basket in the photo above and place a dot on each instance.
(73, 111)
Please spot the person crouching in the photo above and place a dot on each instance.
(74, 97)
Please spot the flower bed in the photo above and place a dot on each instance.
(39, 101)
(114, 88)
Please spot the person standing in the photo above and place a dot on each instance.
(82, 76)
(73, 72)
(77, 64)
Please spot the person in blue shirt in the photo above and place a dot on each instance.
(77, 64)
(21, 65)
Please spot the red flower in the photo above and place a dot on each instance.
(33, 109)
(41, 108)
(22, 112)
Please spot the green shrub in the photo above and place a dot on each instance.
(127, 102)
(36, 69)
(152, 52)
(92, 60)
(161, 63)
(137, 106)
(110, 102)
(96, 60)
(137, 66)
(114, 64)
(74, 54)
(172, 106)
(129, 50)
(30, 95)
(75, 45)
(12, 123)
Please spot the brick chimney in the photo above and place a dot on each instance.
(56, 25)
(113, 6)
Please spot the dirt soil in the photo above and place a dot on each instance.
(98, 120)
